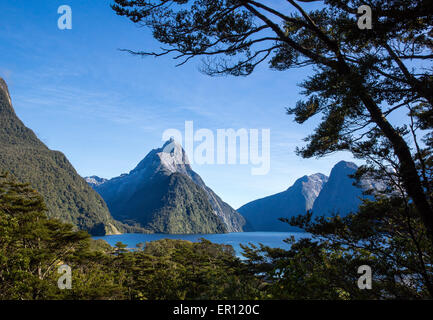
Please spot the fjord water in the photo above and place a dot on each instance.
(270, 239)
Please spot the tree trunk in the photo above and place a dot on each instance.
(407, 169)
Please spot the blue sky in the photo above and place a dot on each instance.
(105, 109)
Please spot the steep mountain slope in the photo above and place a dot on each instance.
(66, 194)
(316, 192)
(339, 195)
(163, 194)
(263, 214)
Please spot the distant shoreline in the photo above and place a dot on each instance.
(267, 238)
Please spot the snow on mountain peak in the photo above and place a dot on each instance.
(173, 156)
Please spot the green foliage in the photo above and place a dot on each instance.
(171, 204)
(177, 269)
(185, 209)
(32, 247)
(386, 235)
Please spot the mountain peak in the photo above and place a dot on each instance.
(339, 195)
(311, 187)
(170, 158)
(345, 164)
(169, 142)
(263, 214)
(173, 156)
(4, 89)
(316, 177)
(95, 181)
(164, 194)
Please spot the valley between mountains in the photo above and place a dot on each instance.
(162, 194)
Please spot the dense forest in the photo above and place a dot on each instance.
(372, 91)
(387, 235)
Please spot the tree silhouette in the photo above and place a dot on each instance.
(362, 77)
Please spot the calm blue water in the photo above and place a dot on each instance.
(271, 239)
